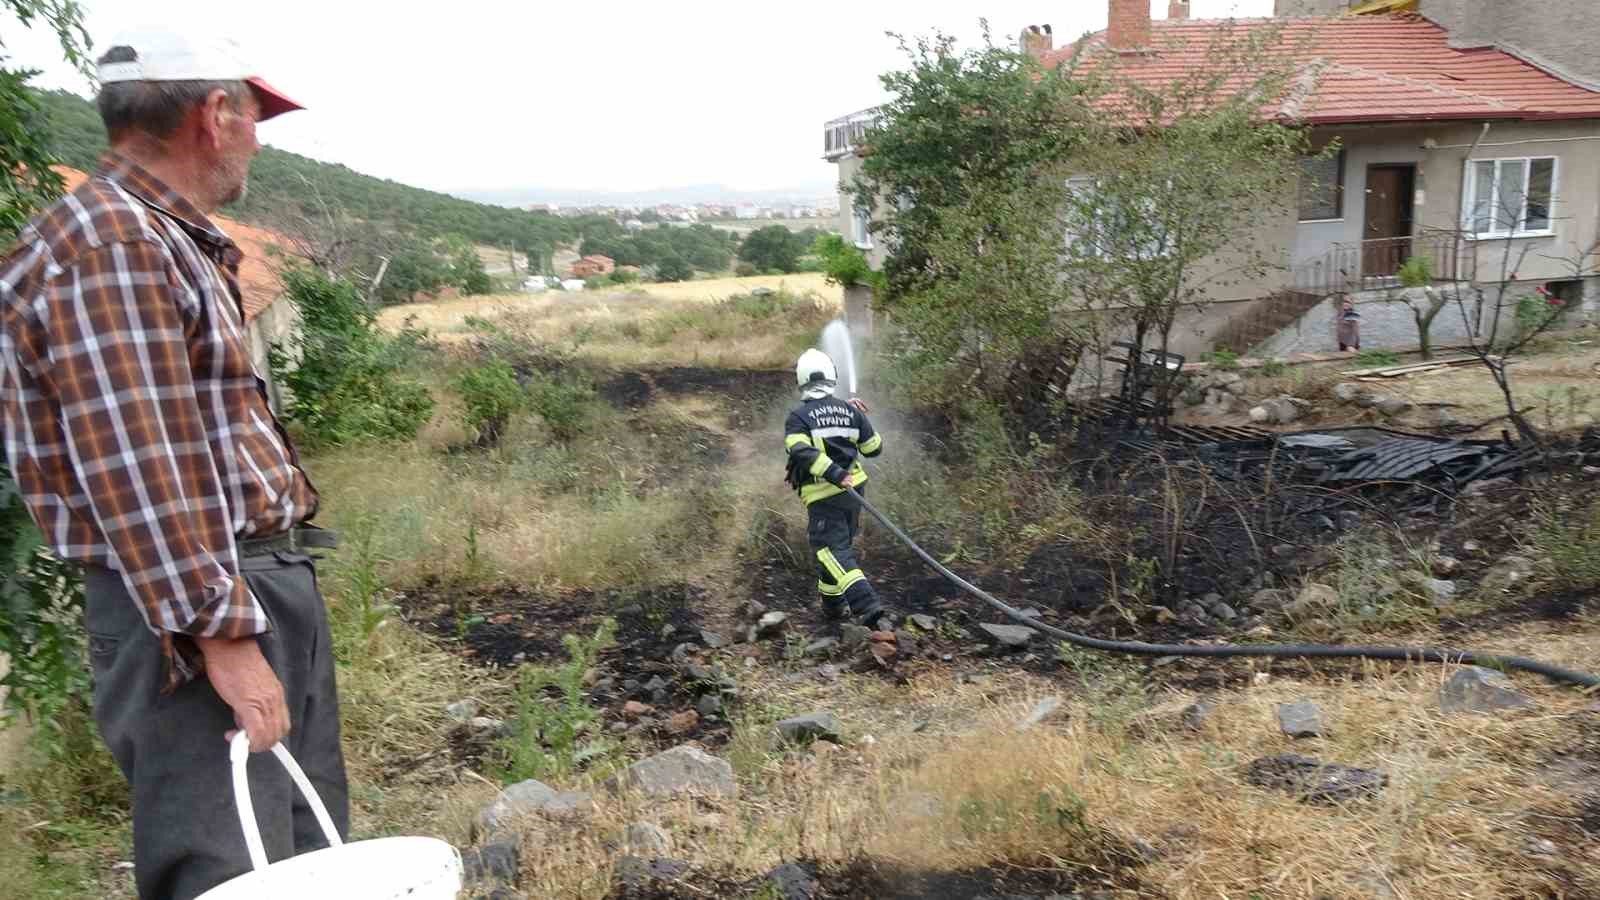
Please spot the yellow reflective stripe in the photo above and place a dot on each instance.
(794, 440)
(850, 578)
(871, 444)
(831, 563)
(829, 590)
(819, 466)
(811, 493)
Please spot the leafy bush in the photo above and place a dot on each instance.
(844, 264)
(1566, 541)
(623, 276)
(746, 270)
(41, 629)
(674, 268)
(562, 401)
(1222, 359)
(490, 396)
(343, 373)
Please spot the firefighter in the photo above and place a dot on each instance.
(825, 438)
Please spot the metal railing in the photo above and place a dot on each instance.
(1375, 264)
(843, 135)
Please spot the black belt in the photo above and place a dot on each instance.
(293, 541)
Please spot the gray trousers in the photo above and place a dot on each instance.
(186, 833)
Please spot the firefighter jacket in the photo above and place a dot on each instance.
(826, 438)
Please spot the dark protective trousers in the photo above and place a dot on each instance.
(831, 532)
(186, 833)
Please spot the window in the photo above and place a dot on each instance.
(1322, 188)
(860, 219)
(1107, 229)
(1508, 197)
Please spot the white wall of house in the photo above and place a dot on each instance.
(275, 324)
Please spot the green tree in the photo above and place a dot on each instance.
(773, 249)
(490, 396)
(843, 264)
(674, 268)
(40, 598)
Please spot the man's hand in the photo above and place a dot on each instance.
(858, 403)
(241, 677)
(849, 481)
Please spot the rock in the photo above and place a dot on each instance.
(923, 621)
(712, 640)
(1445, 566)
(789, 881)
(1439, 591)
(657, 683)
(681, 770)
(1163, 615)
(1367, 400)
(1300, 720)
(1224, 612)
(771, 624)
(1393, 406)
(708, 706)
(1314, 598)
(528, 797)
(1195, 715)
(499, 861)
(1211, 598)
(1260, 415)
(683, 722)
(462, 710)
(1347, 391)
(821, 645)
(810, 727)
(1542, 847)
(1476, 689)
(1314, 781)
(646, 839)
(1267, 598)
(680, 653)
(1041, 711)
(1510, 573)
(638, 873)
(493, 726)
(1349, 520)
(1009, 635)
(1484, 486)
(905, 643)
(852, 635)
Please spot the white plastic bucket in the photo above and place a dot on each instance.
(414, 868)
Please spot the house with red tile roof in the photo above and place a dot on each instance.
(271, 317)
(1447, 149)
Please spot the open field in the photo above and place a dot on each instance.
(662, 511)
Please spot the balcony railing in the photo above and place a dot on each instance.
(1375, 264)
(843, 135)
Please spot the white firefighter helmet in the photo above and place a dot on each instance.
(815, 374)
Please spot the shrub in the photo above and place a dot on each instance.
(623, 276)
(555, 735)
(343, 373)
(745, 270)
(1222, 359)
(490, 396)
(674, 268)
(844, 264)
(562, 401)
(1566, 541)
(1375, 359)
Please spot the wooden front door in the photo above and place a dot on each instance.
(1387, 236)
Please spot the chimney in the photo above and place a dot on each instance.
(1037, 40)
(1130, 25)
(1178, 9)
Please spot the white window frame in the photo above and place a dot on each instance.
(1469, 188)
(860, 228)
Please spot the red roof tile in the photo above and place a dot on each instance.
(258, 283)
(1390, 68)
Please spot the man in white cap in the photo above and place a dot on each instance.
(140, 435)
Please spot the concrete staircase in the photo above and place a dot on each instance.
(1263, 319)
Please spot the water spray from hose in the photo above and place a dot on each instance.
(836, 343)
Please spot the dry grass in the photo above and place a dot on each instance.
(946, 784)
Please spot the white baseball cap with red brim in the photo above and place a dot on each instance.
(161, 55)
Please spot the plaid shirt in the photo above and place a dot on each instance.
(135, 423)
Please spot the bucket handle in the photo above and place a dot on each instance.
(239, 755)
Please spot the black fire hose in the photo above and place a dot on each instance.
(1321, 651)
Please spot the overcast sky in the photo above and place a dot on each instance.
(594, 95)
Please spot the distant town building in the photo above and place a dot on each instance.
(590, 266)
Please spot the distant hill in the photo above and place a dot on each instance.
(278, 182)
(687, 195)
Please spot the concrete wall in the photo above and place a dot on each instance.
(848, 167)
(1558, 35)
(1310, 7)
